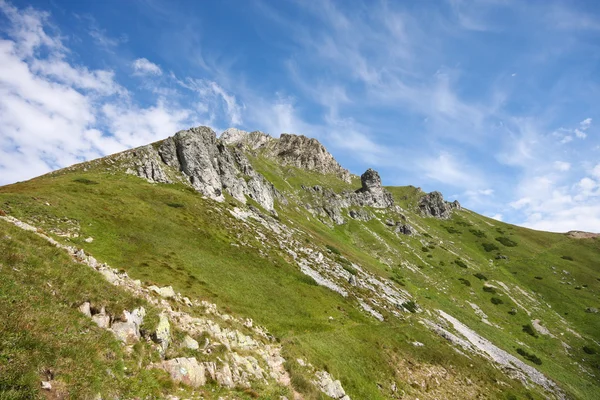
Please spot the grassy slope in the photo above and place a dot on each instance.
(189, 247)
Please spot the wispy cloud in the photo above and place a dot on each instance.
(142, 66)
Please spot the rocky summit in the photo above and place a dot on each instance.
(241, 266)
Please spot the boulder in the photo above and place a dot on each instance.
(190, 343)
(591, 310)
(434, 205)
(404, 229)
(184, 370)
(224, 376)
(327, 385)
(167, 292)
(85, 309)
(127, 330)
(162, 336)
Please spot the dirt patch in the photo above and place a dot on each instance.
(582, 235)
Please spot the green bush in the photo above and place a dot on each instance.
(496, 301)
(451, 229)
(410, 306)
(175, 205)
(460, 263)
(478, 232)
(85, 181)
(489, 289)
(464, 281)
(531, 357)
(528, 329)
(350, 269)
(489, 247)
(568, 258)
(333, 250)
(424, 249)
(480, 276)
(589, 350)
(506, 241)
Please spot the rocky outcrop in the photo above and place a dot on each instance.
(329, 204)
(332, 388)
(372, 194)
(206, 163)
(295, 150)
(434, 205)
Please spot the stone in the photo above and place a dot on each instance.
(167, 292)
(434, 205)
(372, 192)
(361, 214)
(102, 319)
(327, 385)
(591, 310)
(190, 343)
(224, 376)
(89, 240)
(162, 335)
(127, 330)
(85, 309)
(184, 370)
(404, 229)
(501, 257)
(46, 385)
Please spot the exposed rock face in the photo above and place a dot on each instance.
(185, 370)
(207, 163)
(434, 205)
(327, 385)
(296, 150)
(371, 193)
(310, 154)
(128, 330)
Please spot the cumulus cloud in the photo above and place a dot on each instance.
(142, 66)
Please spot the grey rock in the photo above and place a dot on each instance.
(148, 165)
(361, 214)
(190, 343)
(184, 370)
(591, 310)
(85, 309)
(224, 376)
(404, 229)
(128, 329)
(101, 319)
(501, 257)
(434, 205)
(167, 292)
(371, 193)
(332, 388)
(163, 333)
(46, 385)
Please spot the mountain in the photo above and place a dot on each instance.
(246, 266)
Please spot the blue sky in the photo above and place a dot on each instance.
(492, 102)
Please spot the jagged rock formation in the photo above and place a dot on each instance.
(206, 163)
(296, 150)
(434, 205)
(329, 204)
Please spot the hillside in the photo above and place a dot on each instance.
(290, 277)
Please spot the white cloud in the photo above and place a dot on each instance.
(562, 165)
(585, 124)
(446, 168)
(497, 217)
(54, 113)
(143, 66)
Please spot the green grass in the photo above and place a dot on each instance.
(136, 227)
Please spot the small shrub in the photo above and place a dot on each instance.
(452, 230)
(85, 181)
(463, 223)
(460, 263)
(489, 247)
(429, 256)
(478, 232)
(568, 258)
(464, 281)
(589, 350)
(175, 205)
(308, 280)
(528, 329)
(410, 306)
(489, 289)
(513, 311)
(480, 276)
(539, 278)
(427, 235)
(333, 249)
(531, 357)
(506, 241)
(2, 213)
(350, 269)
(424, 249)
(496, 301)
(442, 264)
